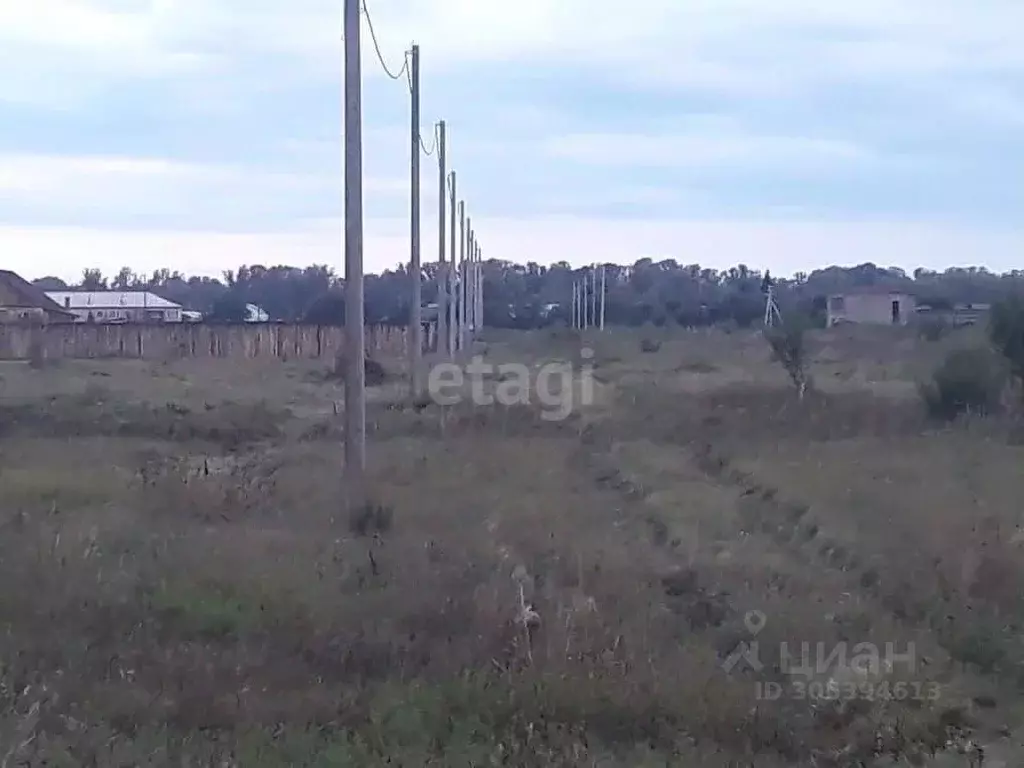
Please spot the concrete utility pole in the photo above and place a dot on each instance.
(476, 285)
(572, 312)
(442, 256)
(586, 301)
(603, 292)
(464, 288)
(579, 304)
(453, 282)
(593, 296)
(415, 268)
(355, 341)
(582, 302)
(479, 287)
(573, 323)
(472, 282)
(586, 298)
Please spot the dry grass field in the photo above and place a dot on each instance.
(181, 587)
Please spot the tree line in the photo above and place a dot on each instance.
(531, 295)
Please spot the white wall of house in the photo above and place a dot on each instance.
(872, 308)
(100, 314)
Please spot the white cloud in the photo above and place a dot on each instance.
(83, 37)
(706, 150)
(74, 25)
(600, 31)
(66, 251)
(992, 104)
(122, 186)
(64, 52)
(723, 44)
(624, 195)
(78, 176)
(784, 246)
(737, 46)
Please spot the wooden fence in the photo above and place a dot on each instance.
(180, 340)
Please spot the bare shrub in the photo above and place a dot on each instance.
(36, 354)
(968, 381)
(933, 329)
(649, 346)
(788, 346)
(96, 413)
(375, 373)
(370, 519)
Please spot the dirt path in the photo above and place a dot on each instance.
(763, 549)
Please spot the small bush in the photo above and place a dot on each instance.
(370, 519)
(933, 329)
(789, 349)
(375, 373)
(36, 354)
(969, 380)
(649, 345)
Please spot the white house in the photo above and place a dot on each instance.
(117, 306)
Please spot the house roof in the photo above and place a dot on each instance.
(30, 295)
(110, 300)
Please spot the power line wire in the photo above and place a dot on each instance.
(406, 70)
(380, 56)
(433, 145)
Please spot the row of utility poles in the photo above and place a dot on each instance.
(459, 255)
(460, 305)
(588, 299)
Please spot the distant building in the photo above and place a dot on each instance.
(547, 309)
(21, 301)
(958, 314)
(117, 306)
(256, 314)
(969, 314)
(871, 306)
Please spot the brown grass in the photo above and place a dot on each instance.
(181, 585)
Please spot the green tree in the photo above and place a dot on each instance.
(1006, 332)
(93, 280)
(328, 309)
(967, 381)
(229, 308)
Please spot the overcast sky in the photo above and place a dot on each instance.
(787, 134)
